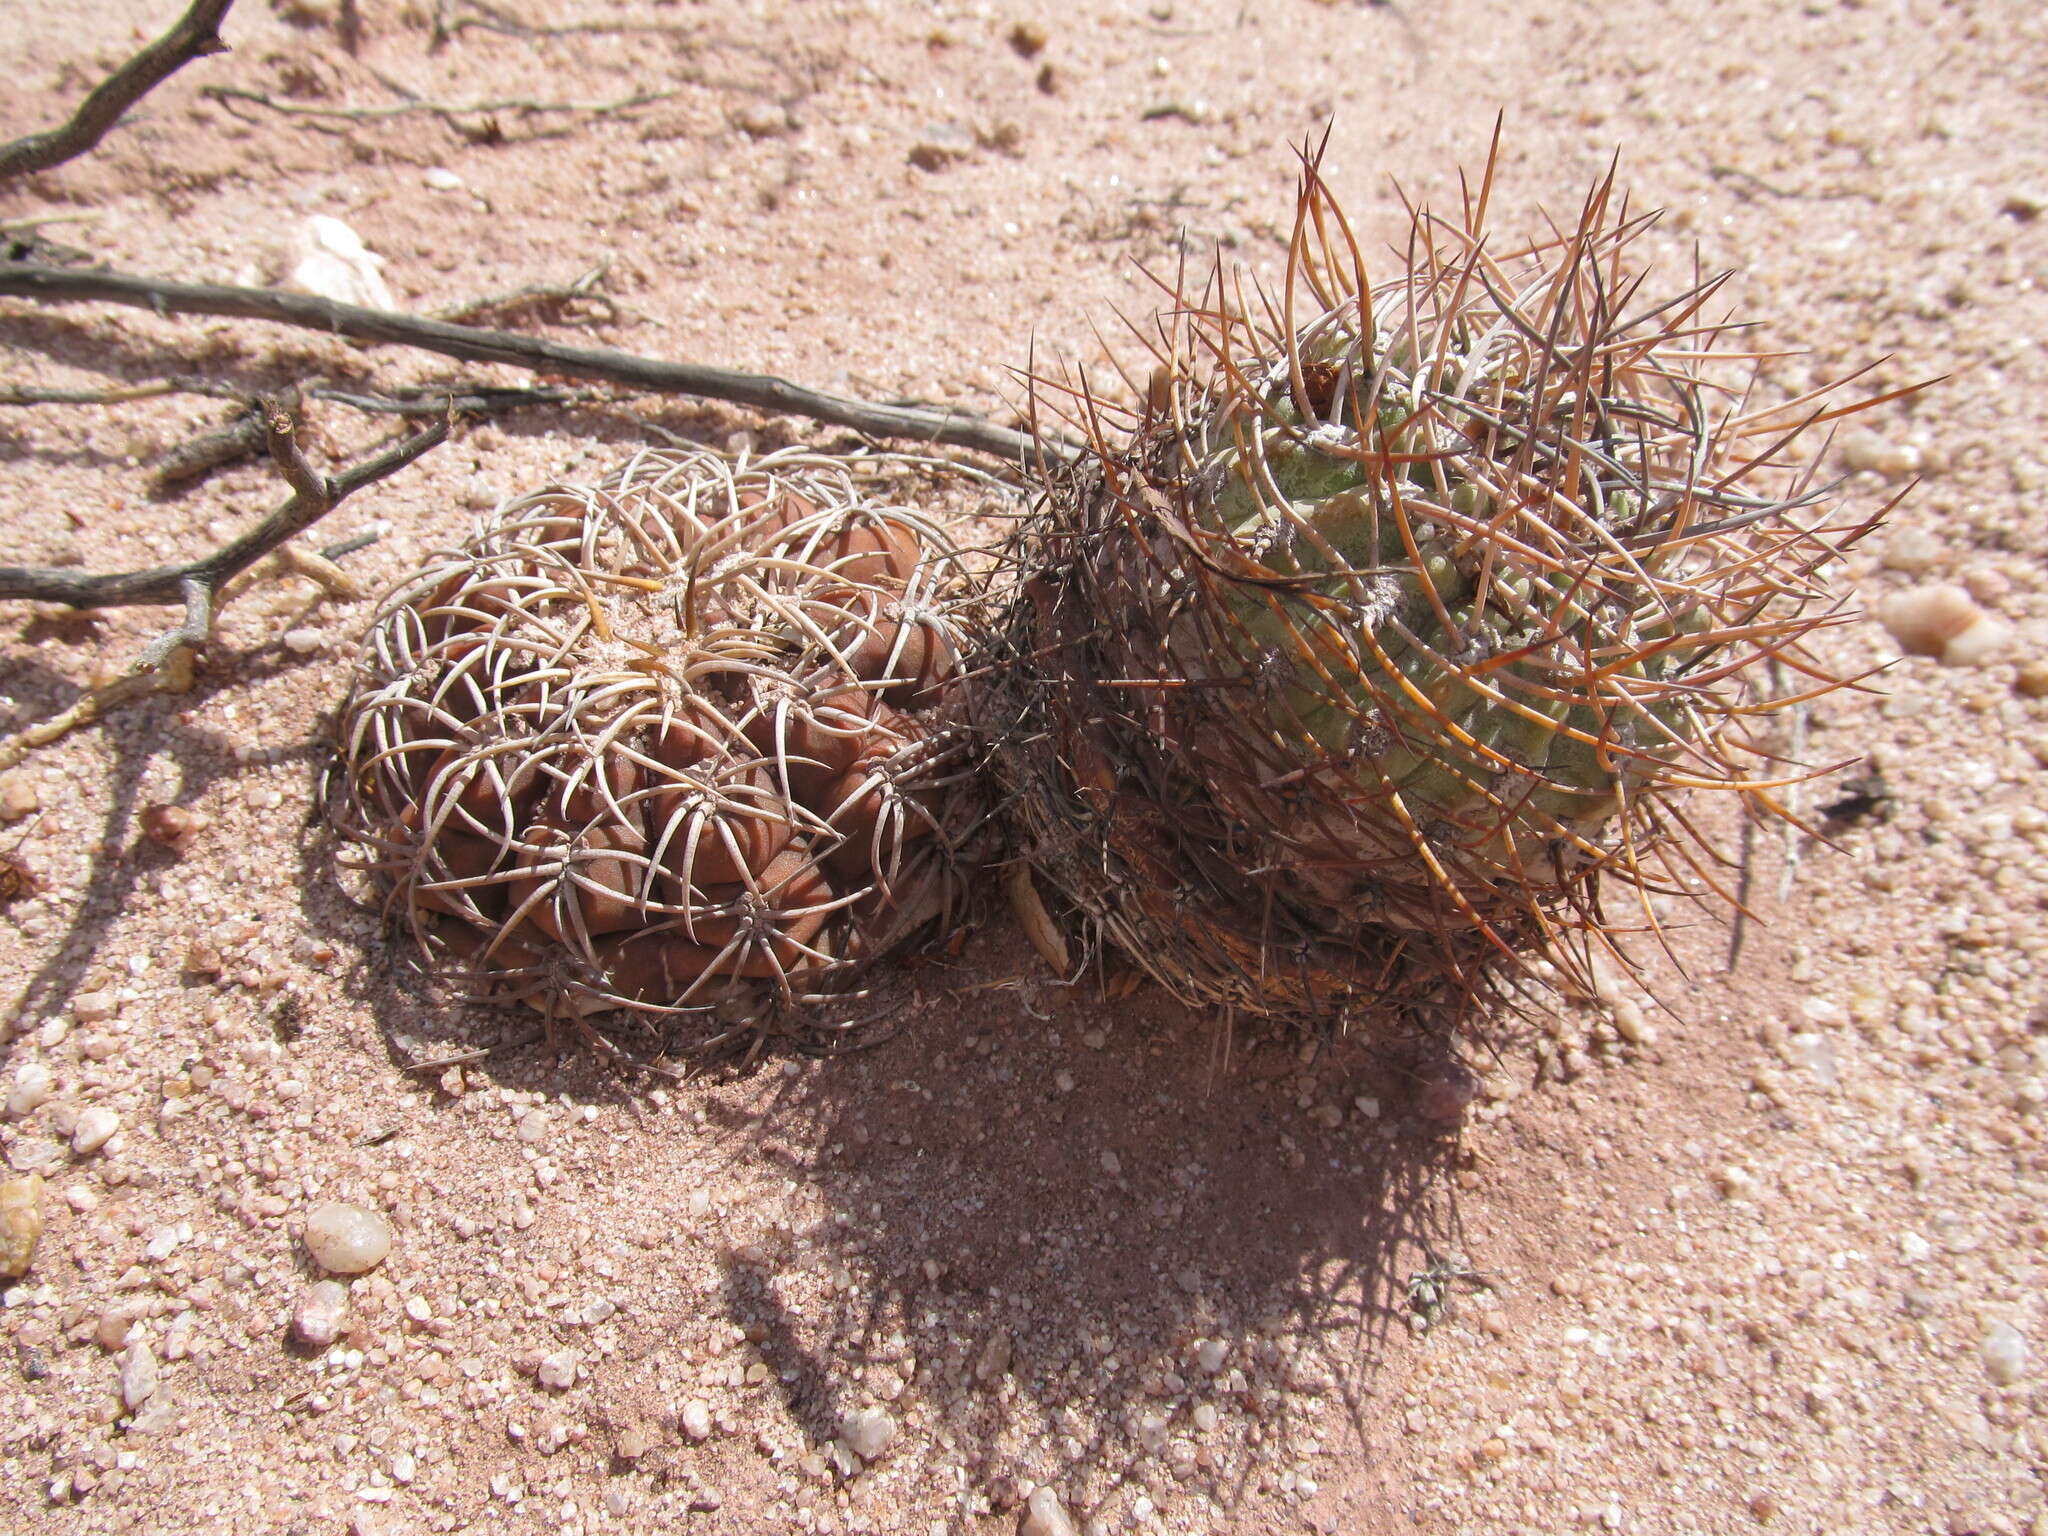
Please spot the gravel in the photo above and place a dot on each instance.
(269, 1077)
(96, 1127)
(322, 1312)
(21, 1224)
(2004, 1352)
(868, 1432)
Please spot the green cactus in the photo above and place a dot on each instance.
(1400, 629)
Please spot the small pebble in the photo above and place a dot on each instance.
(558, 1371)
(1630, 1024)
(305, 642)
(2031, 681)
(33, 1155)
(1210, 1355)
(2024, 206)
(994, 1359)
(158, 1416)
(1914, 552)
(1812, 1050)
(96, 1127)
(1444, 1096)
(696, 1419)
(1044, 1515)
(2004, 1352)
(173, 826)
(634, 1441)
(94, 1007)
(1029, 39)
(138, 1375)
(321, 1312)
(762, 119)
(18, 795)
(941, 145)
(346, 1239)
(441, 179)
(1944, 621)
(114, 1325)
(1982, 643)
(31, 1090)
(868, 1432)
(1868, 451)
(21, 1224)
(1735, 1182)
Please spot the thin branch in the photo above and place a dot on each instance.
(954, 428)
(168, 663)
(490, 19)
(467, 399)
(313, 497)
(242, 436)
(447, 111)
(118, 394)
(195, 36)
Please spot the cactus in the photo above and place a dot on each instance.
(1398, 619)
(677, 746)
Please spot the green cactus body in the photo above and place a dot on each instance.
(1403, 613)
(1452, 733)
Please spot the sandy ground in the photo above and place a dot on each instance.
(1739, 1273)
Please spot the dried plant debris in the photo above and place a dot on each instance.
(681, 744)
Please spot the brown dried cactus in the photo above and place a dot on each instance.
(681, 743)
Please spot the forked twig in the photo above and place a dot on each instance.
(166, 664)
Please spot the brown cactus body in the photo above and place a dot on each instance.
(683, 743)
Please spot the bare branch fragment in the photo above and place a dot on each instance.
(195, 36)
(762, 392)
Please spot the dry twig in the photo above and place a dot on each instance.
(586, 289)
(451, 112)
(166, 664)
(313, 496)
(490, 19)
(762, 392)
(195, 35)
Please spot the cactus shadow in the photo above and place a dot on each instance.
(1071, 1244)
(1058, 1240)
